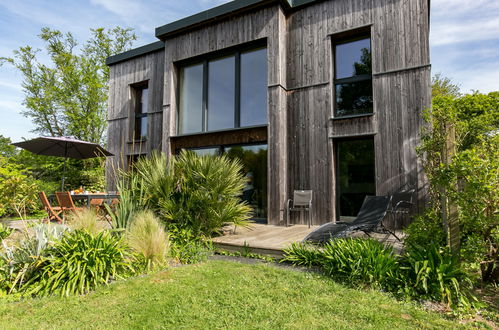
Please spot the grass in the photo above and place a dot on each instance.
(222, 294)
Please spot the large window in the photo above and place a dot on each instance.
(353, 77)
(140, 96)
(223, 92)
(355, 175)
(254, 160)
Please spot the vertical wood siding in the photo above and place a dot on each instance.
(301, 133)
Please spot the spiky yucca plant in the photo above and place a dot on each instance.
(200, 193)
(207, 193)
(147, 237)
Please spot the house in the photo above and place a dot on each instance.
(324, 95)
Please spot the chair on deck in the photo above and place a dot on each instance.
(302, 201)
(52, 212)
(66, 202)
(370, 216)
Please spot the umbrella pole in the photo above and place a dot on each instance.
(64, 167)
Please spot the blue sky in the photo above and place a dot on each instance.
(464, 38)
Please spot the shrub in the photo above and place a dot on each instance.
(187, 247)
(302, 254)
(87, 220)
(79, 262)
(433, 273)
(200, 193)
(361, 261)
(426, 231)
(21, 264)
(5, 232)
(147, 237)
(17, 190)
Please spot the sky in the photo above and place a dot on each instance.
(464, 39)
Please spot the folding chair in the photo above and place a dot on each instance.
(53, 212)
(66, 202)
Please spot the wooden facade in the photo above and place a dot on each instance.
(302, 131)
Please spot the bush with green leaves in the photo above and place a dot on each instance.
(433, 273)
(199, 193)
(5, 231)
(17, 190)
(147, 237)
(304, 254)
(188, 247)
(79, 262)
(21, 264)
(360, 261)
(469, 180)
(428, 272)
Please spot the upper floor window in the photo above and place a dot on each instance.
(353, 77)
(223, 93)
(141, 105)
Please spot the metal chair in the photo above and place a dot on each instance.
(302, 201)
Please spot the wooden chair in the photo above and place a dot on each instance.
(66, 202)
(53, 212)
(97, 204)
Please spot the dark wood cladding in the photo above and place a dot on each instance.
(301, 131)
(123, 75)
(240, 136)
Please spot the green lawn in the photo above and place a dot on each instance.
(222, 294)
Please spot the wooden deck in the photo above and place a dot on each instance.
(271, 240)
(262, 239)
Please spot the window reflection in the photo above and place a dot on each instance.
(221, 78)
(254, 159)
(355, 175)
(191, 99)
(254, 88)
(353, 78)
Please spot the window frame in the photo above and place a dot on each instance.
(137, 90)
(204, 59)
(345, 38)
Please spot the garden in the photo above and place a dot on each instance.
(153, 248)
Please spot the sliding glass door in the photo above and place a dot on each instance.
(355, 175)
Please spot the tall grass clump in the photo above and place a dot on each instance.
(147, 237)
(87, 220)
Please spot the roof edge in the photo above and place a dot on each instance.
(149, 48)
(214, 13)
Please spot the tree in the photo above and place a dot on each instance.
(441, 85)
(470, 178)
(69, 97)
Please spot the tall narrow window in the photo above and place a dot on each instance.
(191, 99)
(141, 108)
(355, 175)
(353, 77)
(254, 87)
(221, 93)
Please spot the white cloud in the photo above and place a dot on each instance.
(459, 21)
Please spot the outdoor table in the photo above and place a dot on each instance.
(88, 197)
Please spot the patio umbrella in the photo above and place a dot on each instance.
(63, 146)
